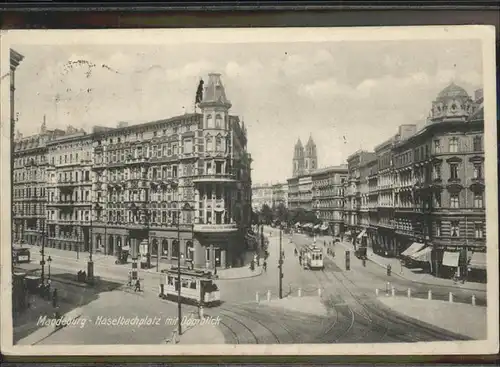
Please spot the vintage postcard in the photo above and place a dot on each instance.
(249, 191)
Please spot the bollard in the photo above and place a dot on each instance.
(319, 292)
(450, 297)
(268, 296)
(257, 296)
(376, 291)
(409, 293)
(393, 291)
(300, 292)
(473, 300)
(200, 312)
(429, 295)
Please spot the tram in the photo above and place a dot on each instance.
(197, 287)
(313, 256)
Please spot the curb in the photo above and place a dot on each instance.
(426, 283)
(369, 258)
(245, 277)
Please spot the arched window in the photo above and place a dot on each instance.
(218, 121)
(209, 122)
(175, 248)
(218, 144)
(209, 144)
(164, 247)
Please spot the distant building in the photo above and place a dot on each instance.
(328, 196)
(262, 194)
(280, 194)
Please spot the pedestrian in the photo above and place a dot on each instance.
(54, 298)
(258, 261)
(264, 266)
(137, 286)
(300, 259)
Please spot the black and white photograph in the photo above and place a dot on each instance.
(249, 191)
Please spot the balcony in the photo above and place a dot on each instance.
(215, 177)
(67, 183)
(215, 228)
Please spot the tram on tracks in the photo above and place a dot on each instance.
(313, 256)
(198, 287)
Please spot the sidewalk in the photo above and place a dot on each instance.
(407, 273)
(455, 317)
(109, 261)
(45, 331)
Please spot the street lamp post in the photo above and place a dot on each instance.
(49, 261)
(42, 252)
(281, 267)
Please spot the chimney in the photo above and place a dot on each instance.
(405, 131)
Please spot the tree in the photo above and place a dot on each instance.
(266, 214)
(280, 213)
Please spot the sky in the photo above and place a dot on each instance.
(348, 95)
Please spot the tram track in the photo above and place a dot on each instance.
(270, 324)
(266, 336)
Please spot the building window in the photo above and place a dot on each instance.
(188, 146)
(478, 230)
(218, 144)
(209, 122)
(454, 201)
(453, 171)
(437, 200)
(218, 121)
(437, 146)
(453, 145)
(454, 228)
(478, 200)
(208, 145)
(478, 170)
(437, 172)
(477, 143)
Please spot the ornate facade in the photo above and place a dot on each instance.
(29, 177)
(440, 181)
(182, 186)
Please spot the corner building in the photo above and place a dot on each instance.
(144, 177)
(440, 180)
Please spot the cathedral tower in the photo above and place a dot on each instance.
(311, 157)
(298, 159)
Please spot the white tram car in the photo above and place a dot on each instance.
(197, 287)
(313, 257)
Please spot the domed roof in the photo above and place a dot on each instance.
(453, 91)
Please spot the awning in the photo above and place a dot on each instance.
(363, 232)
(126, 248)
(324, 227)
(348, 233)
(297, 224)
(423, 255)
(451, 258)
(317, 226)
(478, 260)
(415, 246)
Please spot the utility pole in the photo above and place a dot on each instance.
(281, 268)
(42, 252)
